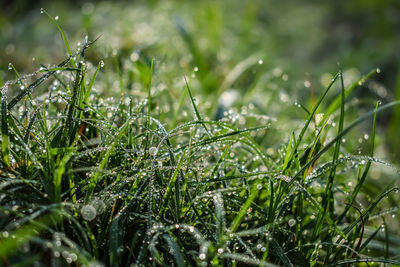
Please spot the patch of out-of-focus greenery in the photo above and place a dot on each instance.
(306, 41)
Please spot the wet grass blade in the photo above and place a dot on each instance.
(176, 251)
(149, 94)
(196, 111)
(310, 117)
(337, 102)
(5, 141)
(171, 184)
(328, 200)
(239, 217)
(66, 43)
(364, 175)
(343, 133)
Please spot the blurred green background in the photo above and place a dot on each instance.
(299, 43)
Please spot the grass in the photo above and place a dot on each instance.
(129, 180)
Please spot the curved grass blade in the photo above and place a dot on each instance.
(196, 111)
(366, 260)
(5, 140)
(176, 251)
(310, 117)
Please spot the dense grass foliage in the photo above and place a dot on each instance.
(162, 174)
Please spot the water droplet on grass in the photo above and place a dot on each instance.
(41, 10)
(202, 256)
(56, 17)
(88, 212)
(260, 61)
(291, 222)
(153, 151)
(101, 64)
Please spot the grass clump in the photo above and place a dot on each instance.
(92, 181)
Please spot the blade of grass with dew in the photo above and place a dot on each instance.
(220, 160)
(219, 216)
(290, 147)
(196, 111)
(176, 251)
(303, 131)
(170, 185)
(5, 141)
(239, 217)
(105, 156)
(70, 128)
(365, 216)
(370, 238)
(66, 43)
(343, 133)
(91, 83)
(365, 173)
(281, 253)
(33, 85)
(328, 199)
(365, 260)
(59, 173)
(337, 102)
(149, 94)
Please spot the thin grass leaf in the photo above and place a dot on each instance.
(303, 131)
(170, 185)
(66, 43)
(196, 111)
(366, 260)
(239, 217)
(5, 140)
(337, 102)
(176, 251)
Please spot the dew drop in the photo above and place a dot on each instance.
(88, 212)
(196, 69)
(101, 64)
(41, 10)
(9, 66)
(378, 70)
(56, 17)
(153, 151)
(202, 256)
(292, 222)
(260, 61)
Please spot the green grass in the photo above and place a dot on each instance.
(147, 178)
